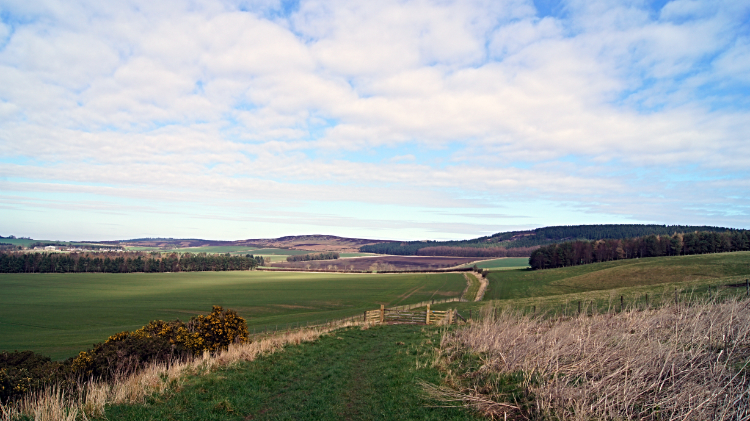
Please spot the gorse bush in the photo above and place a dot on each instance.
(127, 352)
(24, 371)
(216, 331)
(123, 353)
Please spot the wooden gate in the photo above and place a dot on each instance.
(430, 317)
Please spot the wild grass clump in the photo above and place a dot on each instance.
(686, 362)
(92, 396)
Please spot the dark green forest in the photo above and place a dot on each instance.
(541, 236)
(582, 252)
(329, 255)
(18, 262)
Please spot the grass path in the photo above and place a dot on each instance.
(352, 374)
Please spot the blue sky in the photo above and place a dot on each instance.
(389, 119)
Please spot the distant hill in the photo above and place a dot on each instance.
(297, 242)
(538, 237)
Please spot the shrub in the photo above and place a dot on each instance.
(217, 330)
(160, 341)
(21, 372)
(125, 354)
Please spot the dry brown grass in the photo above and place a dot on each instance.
(54, 404)
(675, 362)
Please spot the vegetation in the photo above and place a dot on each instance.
(475, 251)
(61, 314)
(122, 354)
(540, 236)
(502, 263)
(123, 262)
(367, 374)
(584, 252)
(673, 362)
(331, 255)
(515, 284)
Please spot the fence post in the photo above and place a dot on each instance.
(469, 314)
(579, 307)
(382, 313)
(427, 318)
(450, 316)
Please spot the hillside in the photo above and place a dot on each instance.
(296, 242)
(502, 243)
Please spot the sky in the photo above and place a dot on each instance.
(382, 119)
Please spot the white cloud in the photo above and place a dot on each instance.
(205, 98)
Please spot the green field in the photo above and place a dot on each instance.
(502, 263)
(62, 314)
(606, 282)
(514, 284)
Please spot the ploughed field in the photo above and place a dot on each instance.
(381, 263)
(61, 314)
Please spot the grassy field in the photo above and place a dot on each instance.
(353, 374)
(515, 284)
(502, 263)
(61, 314)
(604, 283)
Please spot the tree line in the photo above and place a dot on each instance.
(581, 252)
(15, 262)
(541, 236)
(476, 252)
(331, 255)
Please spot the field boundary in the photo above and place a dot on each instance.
(362, 317)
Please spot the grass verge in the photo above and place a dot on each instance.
(350, 374)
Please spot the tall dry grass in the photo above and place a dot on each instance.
(55, 404)
(675, 362)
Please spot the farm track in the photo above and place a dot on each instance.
(351, 374)
(483, 284)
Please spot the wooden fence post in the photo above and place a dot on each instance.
(427, 318)
(579, 307)
(364, 316)
(622, 303)
(747, 287)
(450, 316)
(382, 313)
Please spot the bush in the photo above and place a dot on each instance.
(161, 341)
(124, 355)
(217, 330)
(24, 371)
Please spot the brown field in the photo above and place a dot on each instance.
(380, 263)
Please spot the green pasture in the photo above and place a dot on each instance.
(501, 263)
(514, 284)
(602, 284)
(343, 255)
(62, 314)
